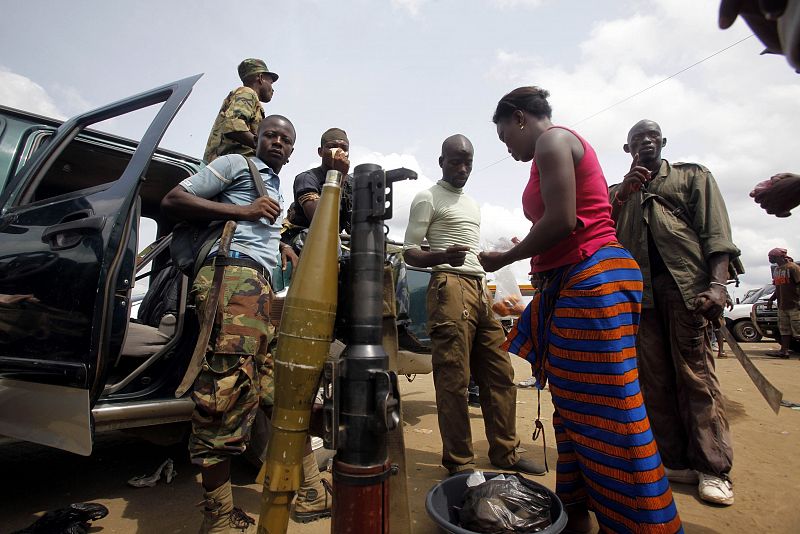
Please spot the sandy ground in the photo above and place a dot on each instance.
(766, 468)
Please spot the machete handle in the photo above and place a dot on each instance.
(226, 238)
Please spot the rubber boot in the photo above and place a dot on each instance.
(314, 496)
(219, 514)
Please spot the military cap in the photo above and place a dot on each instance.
(251, 66)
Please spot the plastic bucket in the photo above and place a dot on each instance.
(450, 492)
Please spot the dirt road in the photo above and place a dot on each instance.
(766, 466)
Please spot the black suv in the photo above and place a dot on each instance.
(73, 202)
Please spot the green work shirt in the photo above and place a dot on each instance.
(240, 112)
(687, 229)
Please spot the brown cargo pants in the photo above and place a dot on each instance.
(466, 339)
(679, 384)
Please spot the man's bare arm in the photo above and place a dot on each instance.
(454, 256)
(183, 205)
(711, 302)
(310, 208)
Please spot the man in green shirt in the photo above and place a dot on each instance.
(672, 218)
(236, 125)
(465, 335)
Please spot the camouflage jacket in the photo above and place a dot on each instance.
(240, 112)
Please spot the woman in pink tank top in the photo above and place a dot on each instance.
(579, 331)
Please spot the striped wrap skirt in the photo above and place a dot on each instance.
(579, 334)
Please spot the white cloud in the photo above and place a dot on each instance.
(736, 113)
(70, 99)
(403, 191)
(412, 6)
(19, 92)
(518, 3)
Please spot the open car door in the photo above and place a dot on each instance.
(66, 268)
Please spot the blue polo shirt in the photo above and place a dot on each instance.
(227, 179)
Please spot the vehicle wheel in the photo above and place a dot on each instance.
(745, 332)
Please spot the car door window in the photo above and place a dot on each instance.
(68, 232)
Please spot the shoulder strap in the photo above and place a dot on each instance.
(677, 212)
(257, 180)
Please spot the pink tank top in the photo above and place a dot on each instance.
(594, 227)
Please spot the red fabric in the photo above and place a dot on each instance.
(594, 226)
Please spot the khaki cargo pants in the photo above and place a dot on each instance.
(466, 339)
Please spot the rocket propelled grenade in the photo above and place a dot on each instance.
(304, 338)
(361, 395)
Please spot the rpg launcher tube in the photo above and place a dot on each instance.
(368, 408)
(304, 338)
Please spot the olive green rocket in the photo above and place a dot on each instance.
(304, 338)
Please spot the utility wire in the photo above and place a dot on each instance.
(615, 104)
(718, 52)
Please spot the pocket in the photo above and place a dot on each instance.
(691, 331)
(448, 343)
(226, 381)
(436, 285)
(437, 293)
(235, 344)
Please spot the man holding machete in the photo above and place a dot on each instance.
(672, 218)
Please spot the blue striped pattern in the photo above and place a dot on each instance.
(579, 333)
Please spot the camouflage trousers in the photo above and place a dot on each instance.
(237, 374)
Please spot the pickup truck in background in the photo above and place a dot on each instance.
(738, 320)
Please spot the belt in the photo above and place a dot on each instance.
(239, 260)
(471, 276)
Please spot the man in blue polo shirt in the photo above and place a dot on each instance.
(237, 375)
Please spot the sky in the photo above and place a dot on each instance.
(401, 75)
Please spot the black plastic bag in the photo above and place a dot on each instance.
(510, 505)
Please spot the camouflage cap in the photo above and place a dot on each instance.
(251, 66)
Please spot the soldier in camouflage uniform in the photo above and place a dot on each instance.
(237, 375)
(234, 130)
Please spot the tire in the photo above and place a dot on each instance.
(745, 332)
